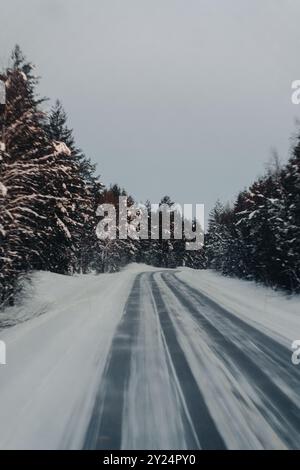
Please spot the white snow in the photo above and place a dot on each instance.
(58, 345)
(275, 313)
(61, 147)
(24, 76)
(2, 92)
(3, 190)
(63, 228)
(55, 357)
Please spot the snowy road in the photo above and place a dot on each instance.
(183, 373)
(150, 359)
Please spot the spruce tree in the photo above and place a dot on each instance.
(85, 242)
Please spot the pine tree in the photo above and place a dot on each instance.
(86, 242)
(291, 229)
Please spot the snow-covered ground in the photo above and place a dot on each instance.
(277, 314)
(151, 350)
(55, 359)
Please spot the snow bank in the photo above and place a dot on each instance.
(278, 315)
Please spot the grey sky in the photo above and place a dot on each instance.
(184, 97)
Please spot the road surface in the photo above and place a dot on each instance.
(183, 373)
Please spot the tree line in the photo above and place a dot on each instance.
(258, 237)
(49, 193)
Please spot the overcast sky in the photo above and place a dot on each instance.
(178, 97)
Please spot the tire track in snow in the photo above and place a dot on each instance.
(203, 425)
(276, 358)
(155, 415)
(278, 409)
(105, 428)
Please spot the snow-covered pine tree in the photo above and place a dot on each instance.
(259, 238)
(241, 249)
(85, 240)
(290, 231)
(217, 238)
